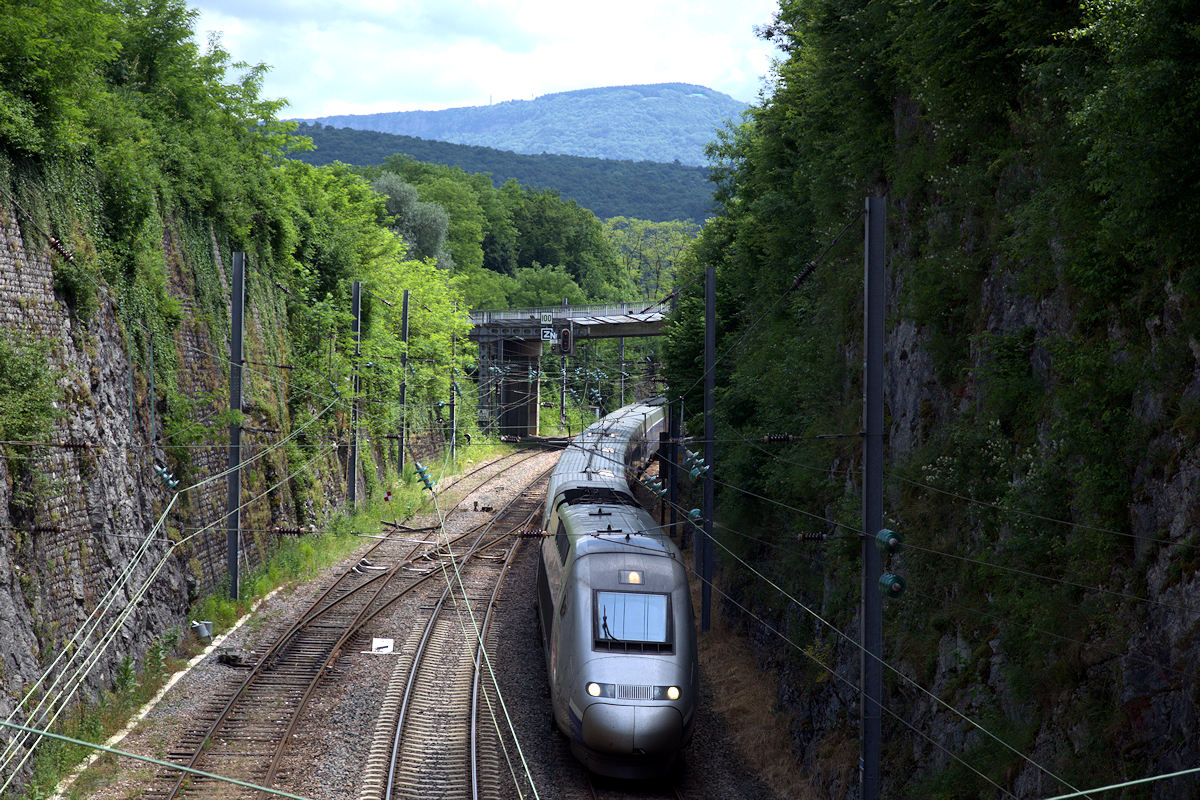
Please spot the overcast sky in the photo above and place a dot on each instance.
(364, 56)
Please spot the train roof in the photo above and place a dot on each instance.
(604, 528)
(596, 458)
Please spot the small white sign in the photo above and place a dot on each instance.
(381, 646)
(547, 317)
(547, 334)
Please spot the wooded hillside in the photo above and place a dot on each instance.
(1042, 386)
(132, 167)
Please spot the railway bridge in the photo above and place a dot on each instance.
(511, 343)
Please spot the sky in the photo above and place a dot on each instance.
(365, 56)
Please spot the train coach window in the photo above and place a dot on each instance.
(596, 494)
(633, 621)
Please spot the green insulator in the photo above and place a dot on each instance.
(891, 585)
(888, 541)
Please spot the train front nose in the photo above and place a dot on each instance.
(630, 729)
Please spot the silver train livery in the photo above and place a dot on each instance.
(614, 608)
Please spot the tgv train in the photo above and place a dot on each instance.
(613, 603)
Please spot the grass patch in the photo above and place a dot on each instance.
(133, 687)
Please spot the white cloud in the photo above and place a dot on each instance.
(389, 55)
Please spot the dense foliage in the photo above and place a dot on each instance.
(1039, 161)
(664, 122)
(126, 142)
(508, 246)
(142, 153)
(609, 188)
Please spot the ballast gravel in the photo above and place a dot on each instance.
(327, 755)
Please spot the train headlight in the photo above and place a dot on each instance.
(630, 576)
(666, 692)
(601, 689)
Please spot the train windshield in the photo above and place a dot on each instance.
(633, 621)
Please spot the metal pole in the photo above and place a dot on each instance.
(622, 340)
(453, 406)
(672, 468)
(356, 329)
(132, 407)
(675, 423)
(153, 405)
(710, 436)
(233, 514)
(870, 658)
(403, 382)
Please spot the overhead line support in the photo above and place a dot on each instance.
(233, 514)
(871, 654)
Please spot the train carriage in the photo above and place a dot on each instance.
(614, 607)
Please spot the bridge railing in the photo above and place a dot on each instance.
(559, 312)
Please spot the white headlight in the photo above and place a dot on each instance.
(672, 692)
(594, 689)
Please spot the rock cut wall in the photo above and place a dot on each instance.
(79, 547)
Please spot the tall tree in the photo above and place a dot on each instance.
(650, 252)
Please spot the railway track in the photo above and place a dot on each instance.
(436, 737)
(245, 731)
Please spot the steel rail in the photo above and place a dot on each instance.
(363, 618)
(402, 716)
(313, 613)
(487, 621)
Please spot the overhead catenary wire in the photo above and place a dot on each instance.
(849, 683)
(164, 764)
(98, 613)
(825, 666)
(939, 701)
(73, 680)
(1127, 784)
(109, 636)
(884, 663)
(911, 545)
(892, 476)
(856, 533)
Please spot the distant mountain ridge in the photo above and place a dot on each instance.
(662, 122)
(642, 189)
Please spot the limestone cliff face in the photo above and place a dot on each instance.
(1128, 679)
(80, 544)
